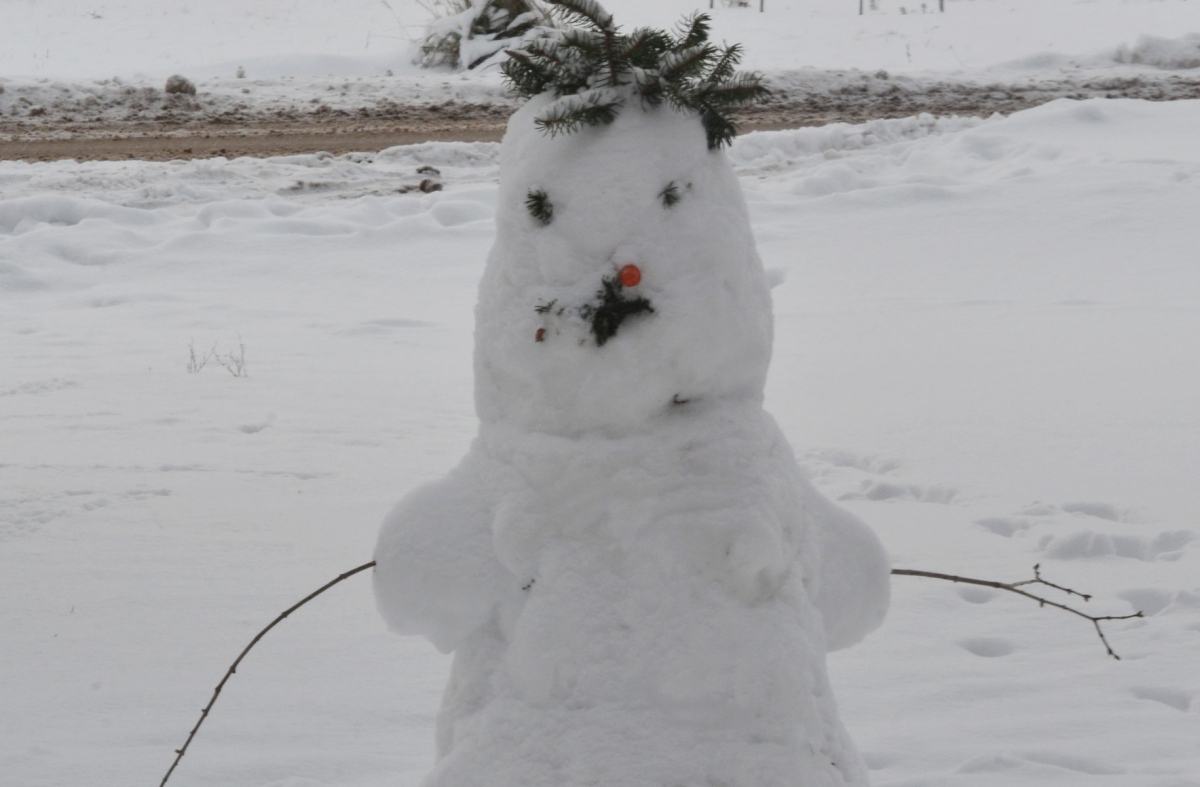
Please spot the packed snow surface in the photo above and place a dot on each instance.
(985, 347)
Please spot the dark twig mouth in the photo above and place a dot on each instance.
(604, 316)
(614, 308)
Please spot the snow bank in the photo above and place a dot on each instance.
(1149, 52)
(306, 178)
(1173, 54)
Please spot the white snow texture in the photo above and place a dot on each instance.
(638, 586)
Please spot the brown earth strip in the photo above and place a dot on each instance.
(186, 132)
(264, 139)
(207, 142)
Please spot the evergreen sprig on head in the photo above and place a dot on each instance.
(591, 67)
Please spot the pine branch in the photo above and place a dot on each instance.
(645, 47)
(736, 91)
(683, 69)
(587, 12)
(670, 195)
(693, 30)
(617, 65)
(723, 69)
(586, 41)
(523, 75)
(571, 113)
(233, 667)
(649, 87)
(682, 63)
(547, 50)
(718, 129)
(539, 205)
(1015, 587)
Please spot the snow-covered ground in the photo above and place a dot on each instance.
(986, 347)
(84, 39)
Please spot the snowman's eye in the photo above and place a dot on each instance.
(669, 195)
(538, 203)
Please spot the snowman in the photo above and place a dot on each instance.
(636, 582)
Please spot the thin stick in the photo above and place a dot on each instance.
(233, 667)
(1015, 587)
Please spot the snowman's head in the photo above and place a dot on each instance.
(566, 341)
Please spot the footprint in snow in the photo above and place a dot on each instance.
(40, 387)
(1166, 546)
(988, 647)
(382, 327)
(1172, 698)
(1003, 525)
(257, 426)
(886, 490)
(868, 463)
(1043, 763)
(142, 494)
(1152, 601)
(1105, 511)
(977, 595)
(1098, 510)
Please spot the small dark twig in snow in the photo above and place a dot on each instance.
(1015, 587)
(233, 667)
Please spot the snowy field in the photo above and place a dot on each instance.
(986, 347)
(81, 39)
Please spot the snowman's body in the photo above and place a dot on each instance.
(638, 585)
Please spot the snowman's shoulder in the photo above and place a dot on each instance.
(459, 501)
(851, 573)
(436, 569)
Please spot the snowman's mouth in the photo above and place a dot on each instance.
(611, 308)
(608, 309)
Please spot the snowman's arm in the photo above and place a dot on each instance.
(852, 586)
(437, 574)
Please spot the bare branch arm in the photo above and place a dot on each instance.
(1015, 587)
(233, 667)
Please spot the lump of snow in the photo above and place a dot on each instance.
(1173, 54)
(180, 84)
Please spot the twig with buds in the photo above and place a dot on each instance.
(1015, 587)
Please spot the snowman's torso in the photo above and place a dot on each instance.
(663, 634)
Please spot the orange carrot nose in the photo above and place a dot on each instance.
(630, 275)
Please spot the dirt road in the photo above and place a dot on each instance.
(157, 127)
